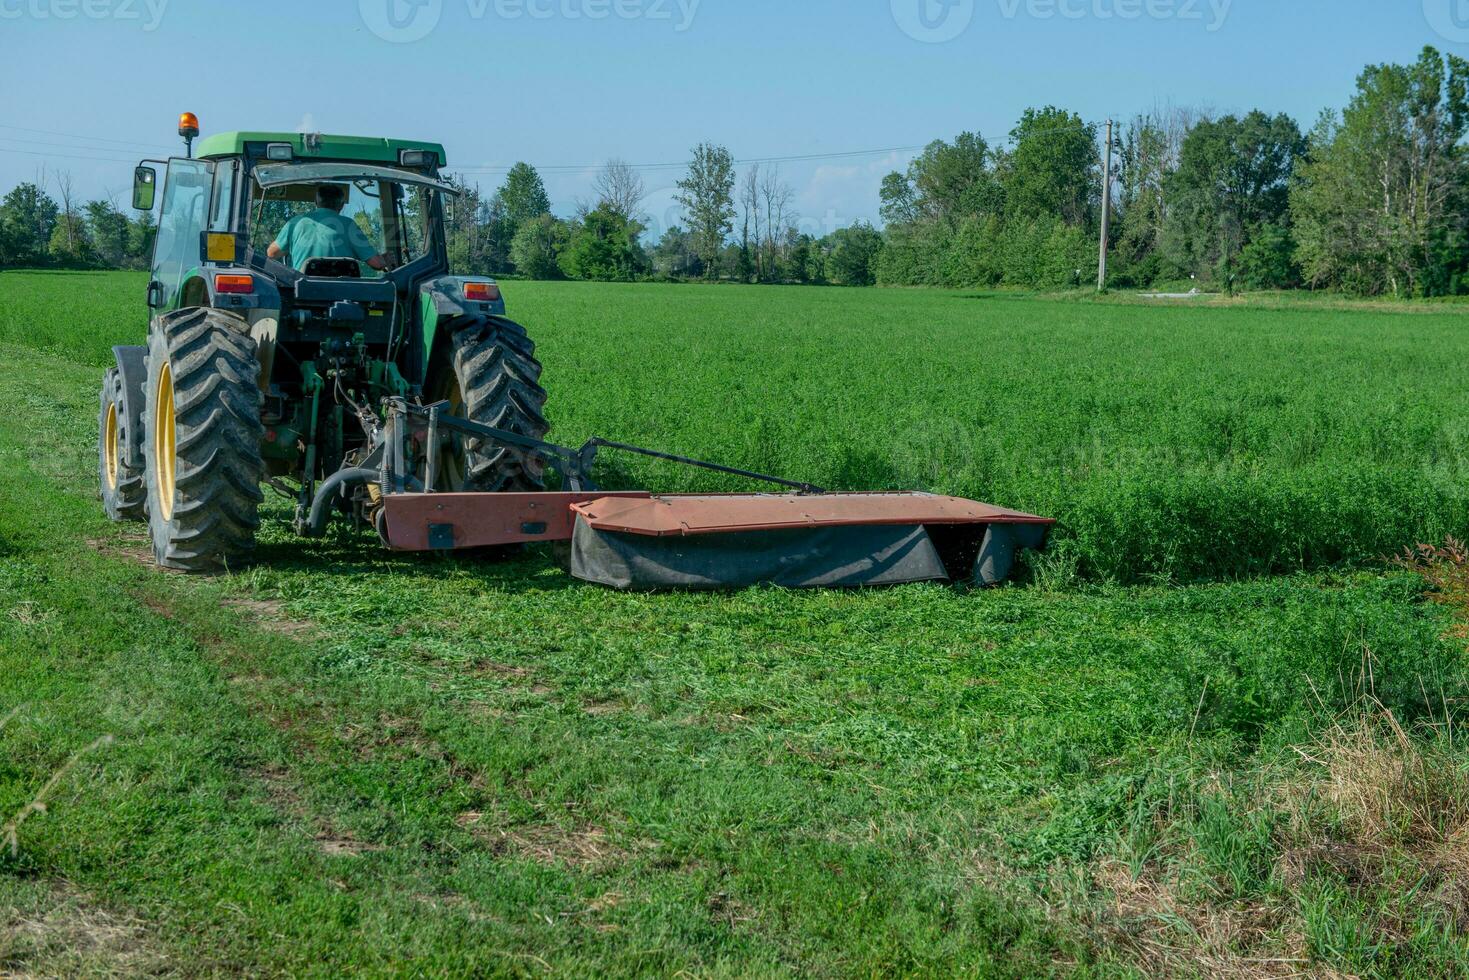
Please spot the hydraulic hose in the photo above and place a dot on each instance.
(321, 504)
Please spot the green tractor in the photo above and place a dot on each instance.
(358, 377)
(262, 371)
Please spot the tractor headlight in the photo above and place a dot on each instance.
(415, 158)
(279, 151)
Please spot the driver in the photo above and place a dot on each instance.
(324, 234)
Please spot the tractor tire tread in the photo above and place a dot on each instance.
(128, 500)
(218, 436)
(500, 380)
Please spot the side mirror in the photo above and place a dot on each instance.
(145, 184)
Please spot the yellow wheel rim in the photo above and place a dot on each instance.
(110, 448)
(164, 468)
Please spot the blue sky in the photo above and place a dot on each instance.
(563, 83)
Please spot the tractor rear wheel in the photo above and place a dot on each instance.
(488, 373)
(123, 494)
(201, 420)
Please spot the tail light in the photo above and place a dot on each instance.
(481, 292)
(234, 284)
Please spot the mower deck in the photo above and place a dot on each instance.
(685, 515)
(642, 541)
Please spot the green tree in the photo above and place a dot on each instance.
(899, 200)
(956, 180)
(707, 195)
(463, 231)
(28, 216)
(804, 260)
(1053, 170)
(853, 255)
(948, 182)
(1148, 152)
(1380, 203)
(972, 255)
(1232, 182)
(70, 243)
(497, 231)
(1269, 260)
(537, 247)
(676, 256)
(108, 229)
(604, 246)
(141, 232)
(524, 195)
(917, 254)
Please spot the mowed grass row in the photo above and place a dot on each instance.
(1173, 442)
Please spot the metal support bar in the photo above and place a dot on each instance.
(716, 467)
(388, 461)
(431, 466)
(578, 463)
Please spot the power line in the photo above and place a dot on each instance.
(78, 136)
(64, 146)
(569, 168)
(68, 156)
(679, 165)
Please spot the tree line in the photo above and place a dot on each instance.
(1373, 200)
(37, 229)
(741, 227)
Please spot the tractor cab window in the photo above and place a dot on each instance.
(186, 192)
(391, 216)
(221, 211)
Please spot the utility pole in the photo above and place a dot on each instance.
(1106, 211)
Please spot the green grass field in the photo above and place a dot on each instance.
(1162, 750)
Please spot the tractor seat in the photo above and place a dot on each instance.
(332, 269)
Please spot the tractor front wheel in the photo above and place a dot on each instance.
(123, 494)
(201, 421)
(488, 373)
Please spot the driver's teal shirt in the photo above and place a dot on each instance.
(323, 234)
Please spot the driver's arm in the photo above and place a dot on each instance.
(277, 249)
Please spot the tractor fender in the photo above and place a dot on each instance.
(132, 365)
(264, 297)
(442, 298)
